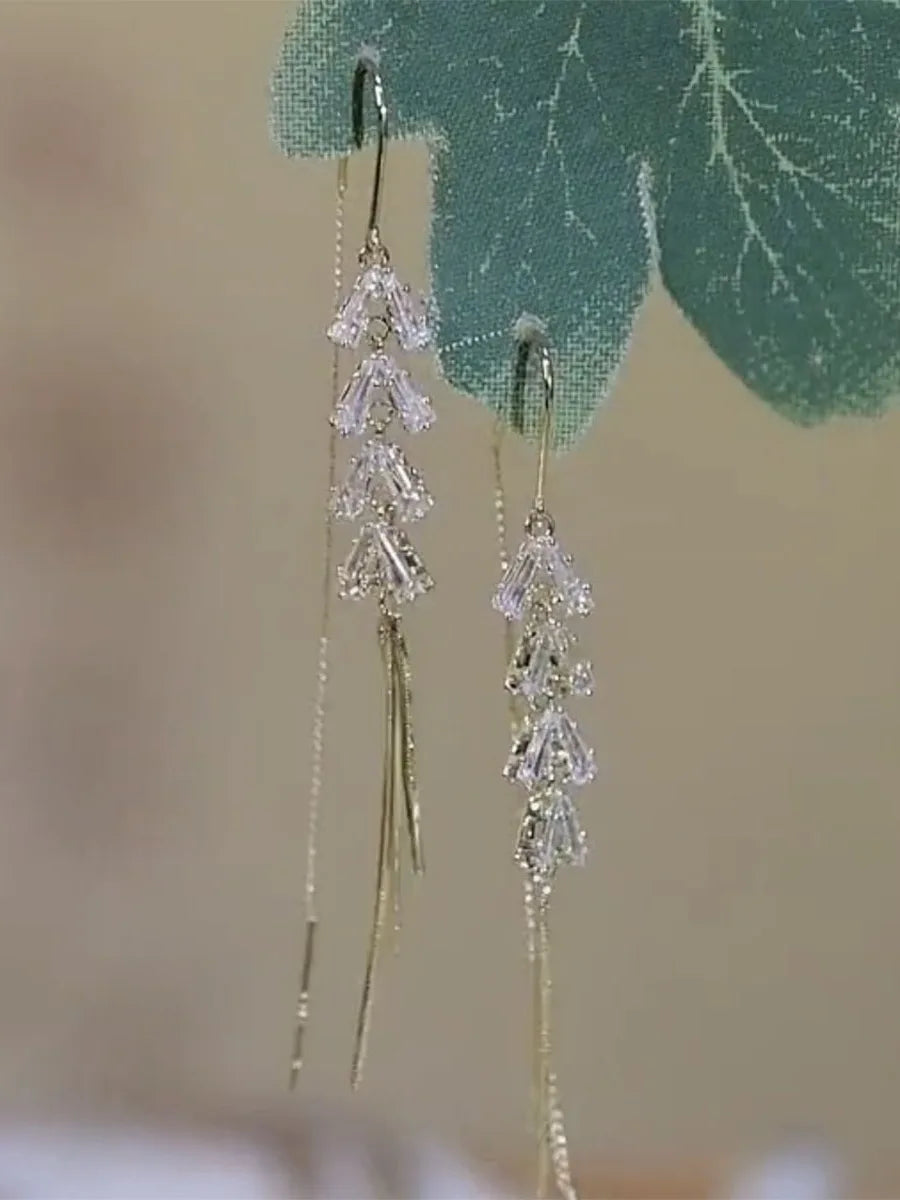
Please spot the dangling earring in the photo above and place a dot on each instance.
(384, 492)
(540, 591)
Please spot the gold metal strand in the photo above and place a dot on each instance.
(383, 887)
(301, 1018)
(396, 886)
(408, 776)
(397, 753)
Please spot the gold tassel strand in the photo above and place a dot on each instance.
(301, 1016)
(407, 750)
(397, 752)
(399, 771)
(386, 862)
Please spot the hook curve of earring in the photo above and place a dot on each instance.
(533, 341)
(367, 67)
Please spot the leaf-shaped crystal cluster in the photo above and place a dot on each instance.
(540, 565)
(377, 287)
(550, 834)
(379, 377)
(549, 757)
(381, 478)
(383, 561)
(381, 486)
(666, 139)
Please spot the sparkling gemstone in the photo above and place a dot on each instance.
(578, 756)
(349, 500)
(519, 746)
(574, 590)
(550, 834)
(518, 579)
(403, 485)
(351, 414)
(403, 572)
(352, 317)
(412, 405)
(539, 765)
(538, 664)
(381, 476)
(408, 313)
(581, 679)
(384, 561)
(554, 750)
(358, 575)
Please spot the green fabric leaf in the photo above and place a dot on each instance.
(748, 149)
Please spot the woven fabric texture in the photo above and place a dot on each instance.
(746, 152)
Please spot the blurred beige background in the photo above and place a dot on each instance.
(727, 964)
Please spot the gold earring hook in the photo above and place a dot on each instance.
(366, 66)
(534, 341)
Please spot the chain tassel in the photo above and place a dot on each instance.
(398, 777)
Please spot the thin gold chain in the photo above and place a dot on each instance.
(554, 1140)
(317, 754)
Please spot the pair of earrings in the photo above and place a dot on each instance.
(539, 595)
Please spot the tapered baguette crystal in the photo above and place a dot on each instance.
(382, 477)
(378, 375)
(581, 679)
(550, 748)
(575, 752)
(378, 286)
(412, 406)
(550, 834)
(409, 316)
(404, 575)
(383, 561)
(576, 593)
(351, 414)
(518, 580)
(352, 318)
